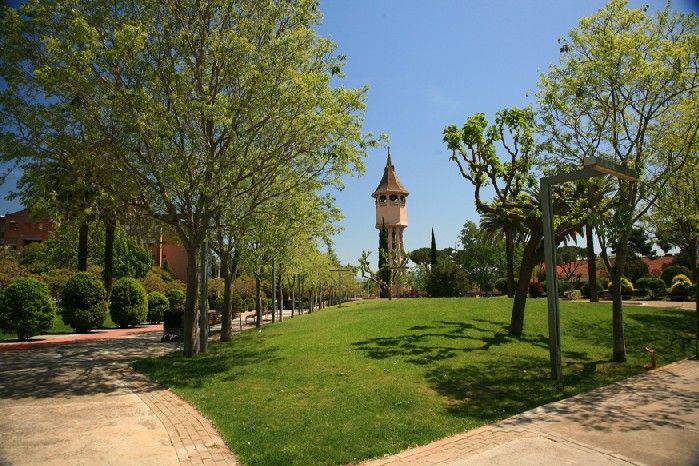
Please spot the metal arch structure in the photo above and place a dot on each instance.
(593, 167)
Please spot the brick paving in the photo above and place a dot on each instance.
(649, 419)
(100, 334)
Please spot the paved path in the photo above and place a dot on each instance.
(81, 404)
(648, 419)
(68, 338)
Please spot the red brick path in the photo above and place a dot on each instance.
(101, 334)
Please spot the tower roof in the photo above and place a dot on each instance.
(389, 182)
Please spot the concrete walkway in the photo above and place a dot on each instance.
(649, 419)
(81, 404)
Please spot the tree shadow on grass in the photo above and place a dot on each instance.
(175, 370)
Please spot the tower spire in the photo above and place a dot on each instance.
(388, 159)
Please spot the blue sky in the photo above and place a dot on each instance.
(429, 64)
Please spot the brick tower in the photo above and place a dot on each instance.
(391, 211)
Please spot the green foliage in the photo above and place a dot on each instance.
(154, 282)
(501, 285)
(446, 279)
(681, 287)
(564, 287)
(433, 250)
(129, 305)
(626, 286)
(56, 280)
(585, 289)
(652, 286)
(176, 299)
(379, 366)
(131, 259)
(10, 268)
(34, 256)
(482, 257)
(157, 305)
(237, 302)
(420, 256)
(84, 302)
(635, 268)
(26, 308)
(672, 271)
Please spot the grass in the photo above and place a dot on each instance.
(375, 377)
(58, 328)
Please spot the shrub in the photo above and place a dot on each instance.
(573, 294)
(681, 287)
(626, 286)
(635, 268)
(651, 286)
(154, 282)
(536, 290)
(26, 308)
(157, 305)
(56, 280)
(501, 285)
(672, 271)
(84, 302)
(237, 302)
(565, 286)
(176, 299)
(129, 304)
(680, 278)
(585, 289)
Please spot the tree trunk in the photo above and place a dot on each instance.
(618, 342)
(274, 290)
(281, 295)
(591, 264)
(82, 246)
(229, 269)
(258, 302)
(108, 273)
(191, 321)
(510, 258)
(293, 295)
(530, 257)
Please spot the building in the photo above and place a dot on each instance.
(19, 229)
(391, 213)
(170, 255)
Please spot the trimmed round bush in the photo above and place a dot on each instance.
(176, 299)
(84, 302)
(672, 271)
(626, 286)
(129, 304)
(681, 287)
(157, 305)
(653, 287)
(536, 290)
(26, 308)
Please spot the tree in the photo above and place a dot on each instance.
(622, 73)
(482, 256)
(514, 184)
(568, 260)
(421, 256)
(433, 251)
(446, 278)
(384, 267)
(193, 105)
(512, 236)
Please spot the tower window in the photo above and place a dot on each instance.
(382, 199)
(402, 199)
(393, 198)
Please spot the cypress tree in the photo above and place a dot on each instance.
(384, 271)
(433, 251)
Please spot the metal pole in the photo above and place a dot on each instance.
(204, 298)
(551, 284)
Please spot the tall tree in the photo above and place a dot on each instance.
(433, 251)
(621, 73)
(193, 103)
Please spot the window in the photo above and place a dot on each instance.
(382, 199)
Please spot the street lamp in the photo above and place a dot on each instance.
(593, 166)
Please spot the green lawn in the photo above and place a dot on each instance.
(57, 328)
(375, 377)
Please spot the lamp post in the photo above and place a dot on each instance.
(593, 166)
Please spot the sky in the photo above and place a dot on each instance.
(429, 64)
